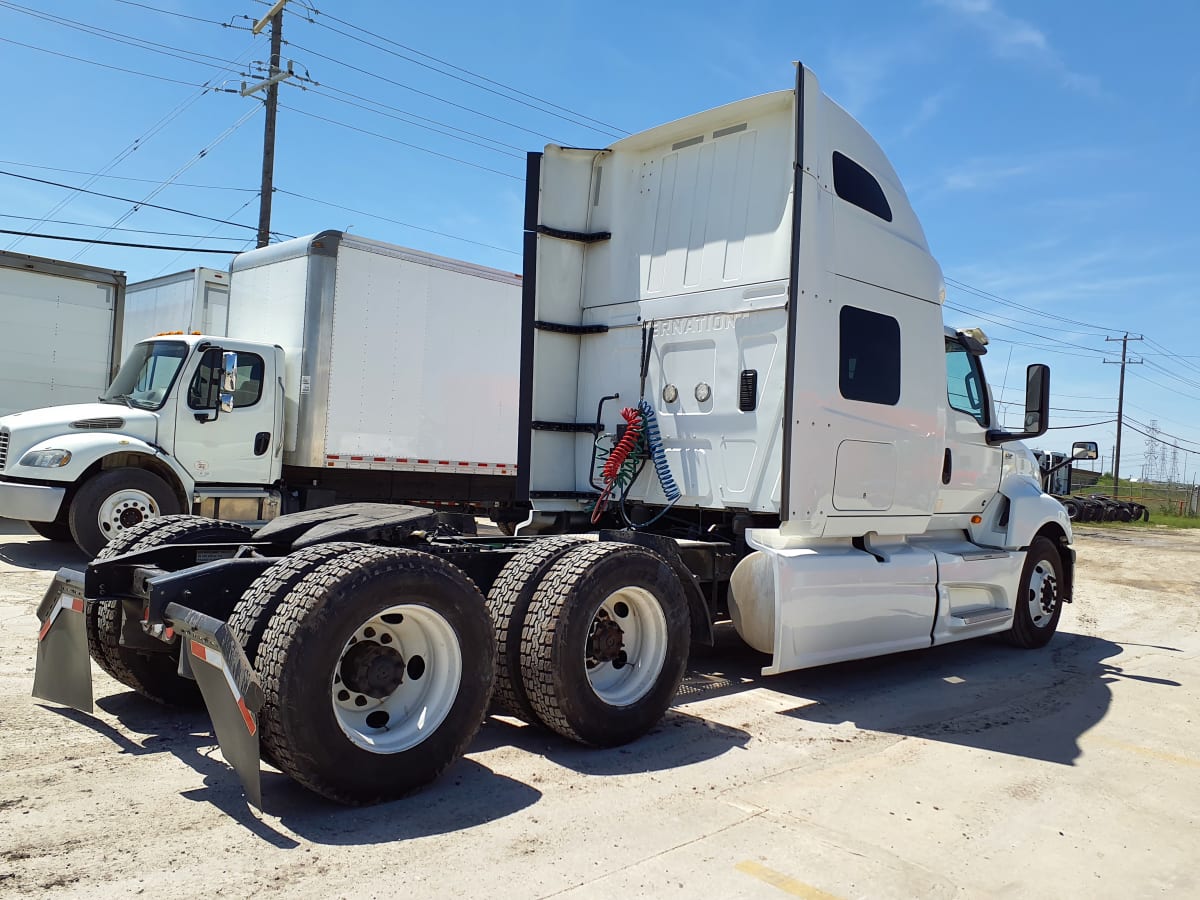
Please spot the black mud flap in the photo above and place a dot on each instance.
(231, 689)
(63, 673)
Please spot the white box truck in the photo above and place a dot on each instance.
(363, 370)
(192, 301)
(734, 364)
(62, 330)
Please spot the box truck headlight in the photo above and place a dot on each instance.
(46, 459)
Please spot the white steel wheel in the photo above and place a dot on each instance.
(626, 646)
(124, 509)
(1043, 595)
(397, 678)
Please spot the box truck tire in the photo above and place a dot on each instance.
(116, 500)
(376, 674)
(1039, 598)
(605, 643)
(58, 530)
(154, 675)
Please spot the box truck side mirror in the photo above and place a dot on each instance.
(1037, 407)
(1085, 450)
(229, 367)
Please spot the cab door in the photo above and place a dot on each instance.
(971, 469)
(234, 447)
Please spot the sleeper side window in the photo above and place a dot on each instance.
(869, 356)
(856, 185)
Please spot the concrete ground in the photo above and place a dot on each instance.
(973, 770)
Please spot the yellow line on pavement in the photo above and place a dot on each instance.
(785, 883)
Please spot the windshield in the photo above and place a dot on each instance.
(147, 375)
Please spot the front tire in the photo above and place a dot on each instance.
(115, 501)
(605, 643)
(376, 673)
(58, 530)
(1039, 600)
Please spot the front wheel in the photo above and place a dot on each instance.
(376, 672)
(1039, 599)
(58, 530)
(113, 502)
(605, 643)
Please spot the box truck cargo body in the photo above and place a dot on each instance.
(62, 326)
(195, 300)
(352, 370)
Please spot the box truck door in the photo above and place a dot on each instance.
(234, 447)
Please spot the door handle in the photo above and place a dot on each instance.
(947, 467)
(262, 441)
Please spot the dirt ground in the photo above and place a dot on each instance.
(964, 771)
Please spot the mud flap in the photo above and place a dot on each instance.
(231, 690)
(63, 672)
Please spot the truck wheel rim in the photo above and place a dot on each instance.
(397, 678)
(1043, 593)
(626, 647)
(124, 509)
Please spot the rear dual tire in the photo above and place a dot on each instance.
(377, 670)
(153, 674)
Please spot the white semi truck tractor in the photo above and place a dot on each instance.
(738, 400)
(348, 357)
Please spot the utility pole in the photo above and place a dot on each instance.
(1121, 405)
(274, 75)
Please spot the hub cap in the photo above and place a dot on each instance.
(626, 646)
(1043, 594)
(397, 678)
(124, 509)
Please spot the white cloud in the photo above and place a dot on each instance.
(926, 112)
(1017, 40)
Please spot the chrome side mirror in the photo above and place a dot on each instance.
(229, 367)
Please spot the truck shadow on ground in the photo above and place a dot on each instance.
(48, 556)
(467, 793)
(983, 693)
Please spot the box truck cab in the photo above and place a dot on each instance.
(342, 355)
(92, 470)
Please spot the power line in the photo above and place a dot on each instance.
(121, 178)
(980, 292)
(92, 62)
(402, 143)
(63, 237)
(179, 15)
(988, 318)
(435, 97)
(119, 37)
(171, 209)
(359, 212)
(245, 243)
(156, 233)
(405, 113)
(1088, 425)
(1164, 443)
(162, 186)
(573, 118)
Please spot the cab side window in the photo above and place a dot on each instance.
(205, 388)
(964, 382)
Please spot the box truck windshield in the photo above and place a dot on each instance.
(146, 376)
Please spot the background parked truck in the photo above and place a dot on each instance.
(361, 370)
(192, 301)
(738, 400)
(62, 331)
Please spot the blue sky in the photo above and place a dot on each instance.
(1049, 148)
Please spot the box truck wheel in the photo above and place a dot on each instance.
(508, 602)
(58, 530)
(605, 643)
(1039, 598)
(253, 612)
(116, 500)
(152, 674)
(376, 673)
